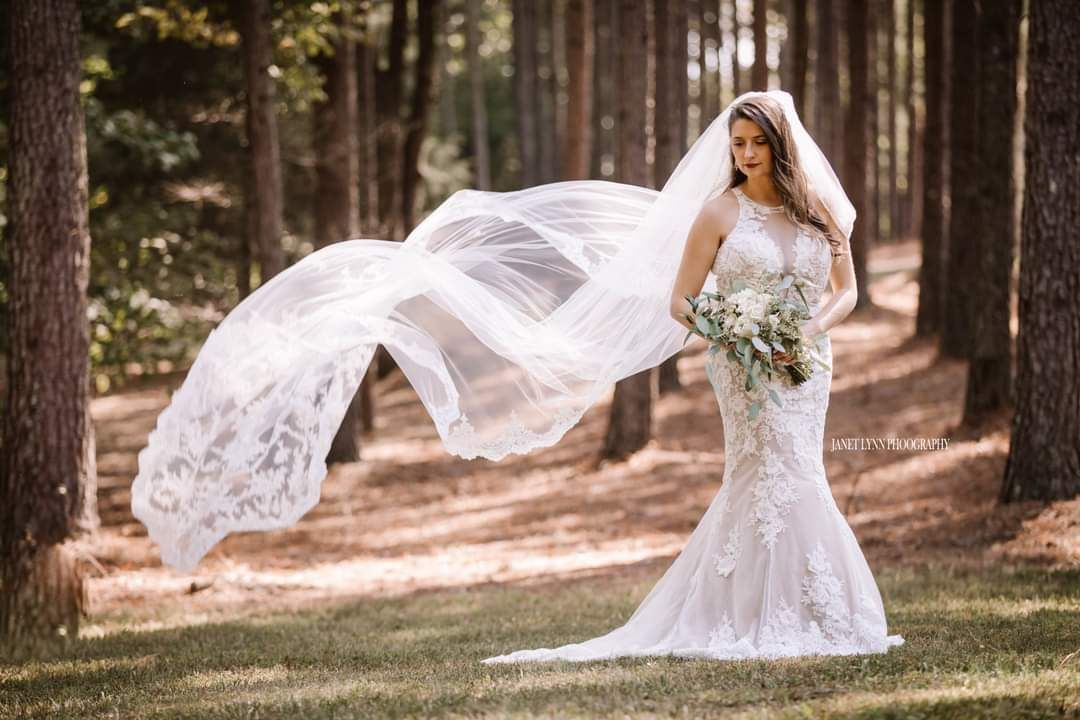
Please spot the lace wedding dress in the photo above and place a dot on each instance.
(772, 569)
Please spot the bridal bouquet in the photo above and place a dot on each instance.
(750, 325)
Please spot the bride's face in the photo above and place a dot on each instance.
(750, 148)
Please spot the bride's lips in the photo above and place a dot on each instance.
(749, 165)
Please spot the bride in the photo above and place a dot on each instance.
(772, 568)
(513, 313)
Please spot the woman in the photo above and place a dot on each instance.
(511, 314)
(772, 569)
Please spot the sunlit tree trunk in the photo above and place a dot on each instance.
(46, 443)
(1044, 452)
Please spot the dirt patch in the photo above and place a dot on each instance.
(412, 517)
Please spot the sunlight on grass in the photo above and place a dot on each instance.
(989, 644)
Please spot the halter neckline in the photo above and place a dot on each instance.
(762, 205)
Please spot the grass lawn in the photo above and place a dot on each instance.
(994, 643)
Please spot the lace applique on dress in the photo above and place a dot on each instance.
(824, 593)
(724, 561)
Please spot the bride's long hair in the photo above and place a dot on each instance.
(787, 175)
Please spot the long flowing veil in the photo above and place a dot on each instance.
(509, 313)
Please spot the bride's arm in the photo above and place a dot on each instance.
(698, 255)
(842, 277)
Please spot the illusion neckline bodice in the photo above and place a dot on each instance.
(763, 206)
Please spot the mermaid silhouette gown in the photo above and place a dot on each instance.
(772, 569)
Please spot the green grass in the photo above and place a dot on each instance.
(977, 645)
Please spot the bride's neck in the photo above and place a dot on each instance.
(762, 189)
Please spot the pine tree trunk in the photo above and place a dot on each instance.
(335, 149)
(335, 145)
(872, 222)
(547, 140)
(367, 137)
(1044, 453)
(525, 89)
(738, 74)
(579, 69)
(710, 38)
(46, 462)
(761, 46)
(630, 423)
(670, 63)
(930, 315)
(892, 193)
(858, 133)
(388, 84)
(429, 19)
(910, 214)
(827, 84)
(957, 338)
(477, 103)
(989, 370)
(603, 88)
(799, 58)
(264, 211)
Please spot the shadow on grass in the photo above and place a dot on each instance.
(420, 656)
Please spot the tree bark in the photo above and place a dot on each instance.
(481, 147)
(430, 13)
(1044, 452)
(827, 84)
(670, 63)
(264, 211)
(336, 155)
(547, 138)
(800, 54)
(579, 69)
(337, 182)
(989, 370)
(388, 85)
(930, 315)
(858, 133)
(710, 48)
(957, 339)
(892, 194)
(630, 423)
(46, 465)
(525, 89)
(872, 227)
(910, 215)
(761, 46)
(366, 132)
(604, 91)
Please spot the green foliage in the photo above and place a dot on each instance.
(164, 92)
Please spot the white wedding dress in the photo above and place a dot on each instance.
(772, 569)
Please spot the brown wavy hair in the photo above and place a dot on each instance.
(787, 175)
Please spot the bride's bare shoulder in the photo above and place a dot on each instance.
(723, 211)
